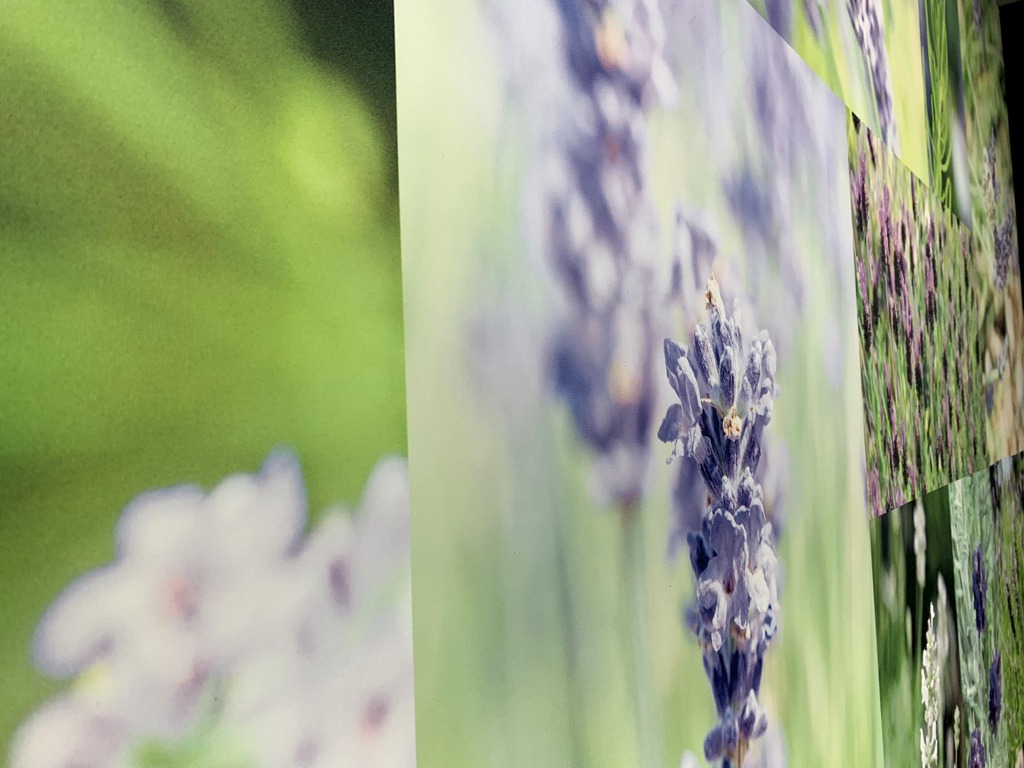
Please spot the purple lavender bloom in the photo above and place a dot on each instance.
(979, 586)
(995, 691)
(866, 17)
(725, 401)
(977, 750)
(1003, 251)
(600, 226)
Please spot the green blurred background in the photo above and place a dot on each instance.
(199, 261)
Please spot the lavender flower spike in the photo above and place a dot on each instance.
(979, 588)
(995, 691)
(725, 401)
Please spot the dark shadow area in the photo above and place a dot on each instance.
(358, 39)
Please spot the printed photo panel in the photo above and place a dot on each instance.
(924, 76)
(634, 391)
(204, 517)
(948, 574)
(941, 357)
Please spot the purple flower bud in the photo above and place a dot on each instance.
(732, 552)
(977, 750)
(995, 691)
(979, 588)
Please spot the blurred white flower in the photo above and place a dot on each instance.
(68, 731)
(216, 611)
(931, 697)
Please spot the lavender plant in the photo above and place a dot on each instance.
(977, 757)
(602, 233)
(598, 230)
(726, 394)
(917, 289)
(995, 691)
(979, 588)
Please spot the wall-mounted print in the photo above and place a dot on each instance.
(204, 529)
(917, 617)
(994, 213)
(635, 421)
(941, 358)
(875, 55)
(987, 512)
(900, 67)
(988, 142)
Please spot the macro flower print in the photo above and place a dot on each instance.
(223, 634)
(200, 258)
(917, 619)
(933, 411)
(987, 521)
(993, 214)
(880, 58)
(631, 331)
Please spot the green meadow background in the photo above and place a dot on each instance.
(199, 261)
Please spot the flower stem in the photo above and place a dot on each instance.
(570, 647)
(634, 602)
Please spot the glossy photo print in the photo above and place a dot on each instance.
(204, 504)
(636, 448)
(942, 365)
(994, 213)
(987, 511)
(917, 617)
(876, 56)
(898, 66)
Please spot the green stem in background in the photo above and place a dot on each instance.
(570, 646)
(641, 669)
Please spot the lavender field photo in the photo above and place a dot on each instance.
(637, 473)
(920, 330)
(941, 359)
(993, 213)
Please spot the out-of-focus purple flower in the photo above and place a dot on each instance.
(1004, 250)
(860, 195)
(217, 613)
(977, 757)
(695, 248)
(866, 17)
(725, 401)
(598, 228)
(995, 691)
(979, 587)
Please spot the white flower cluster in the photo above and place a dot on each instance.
(931, 697)
(219, 615)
